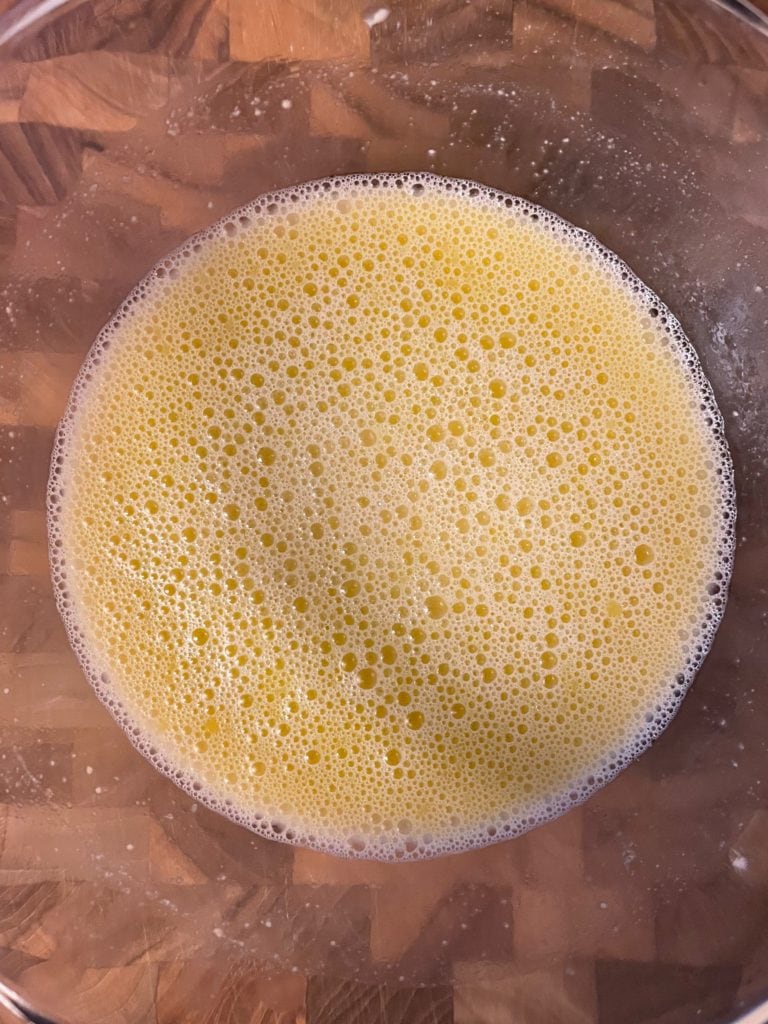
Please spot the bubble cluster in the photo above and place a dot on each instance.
(391, 515)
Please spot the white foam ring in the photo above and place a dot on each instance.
(270, 822)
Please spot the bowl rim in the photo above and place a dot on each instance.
(26, 16)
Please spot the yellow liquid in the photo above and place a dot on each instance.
(394, 514)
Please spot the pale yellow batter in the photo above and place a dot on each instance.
(394, 514)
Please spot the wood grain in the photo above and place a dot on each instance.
(125, 126)
(330, 1001)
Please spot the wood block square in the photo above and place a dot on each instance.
(35, 387)
(588, 922)
(634, 993)
(210, 992)
(79, 841)
(39, 163)
(296, 30)
(44, 691)
(28, 547)
(718, 923)
(96, 91)
(31, 621)
(332, 1001)
(501, 994)
(112, 994)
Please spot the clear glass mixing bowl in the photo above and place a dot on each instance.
(126, 126)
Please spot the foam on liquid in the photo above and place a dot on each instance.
(391, 515)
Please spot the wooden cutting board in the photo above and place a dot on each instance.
(124, 128)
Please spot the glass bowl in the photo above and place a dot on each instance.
(126, 126)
